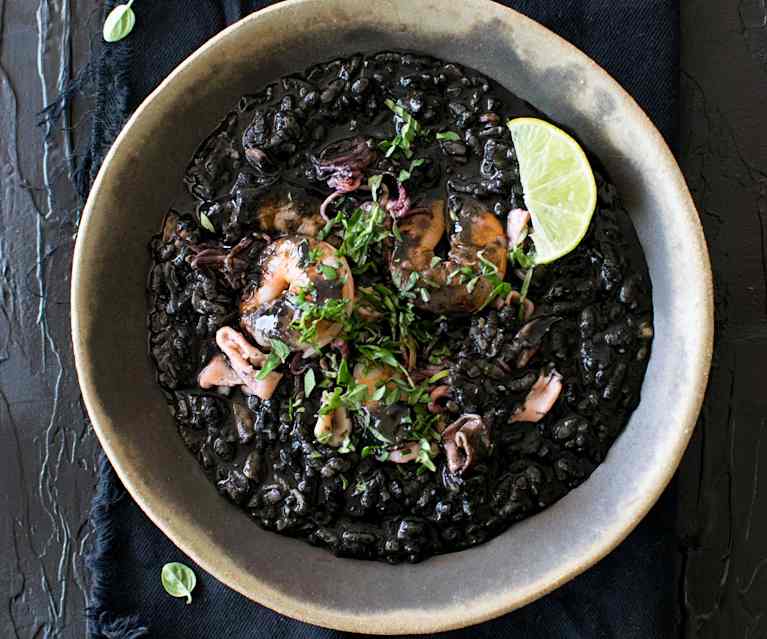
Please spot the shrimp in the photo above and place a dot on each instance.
(271, 310)
(455, 284)
(280, 213)
(373, 377)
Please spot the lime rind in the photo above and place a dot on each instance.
(559, 187)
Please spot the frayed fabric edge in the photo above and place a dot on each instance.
(100, 563)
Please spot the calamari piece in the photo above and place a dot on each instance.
(217, 372)
(246, 360)
(465, 440)
(540, 399)
(516, 226)
(333, 428)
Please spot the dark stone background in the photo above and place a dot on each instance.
(48, 451)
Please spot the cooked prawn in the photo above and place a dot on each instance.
(373, 377)
(280, 213)
(269, 310)
(455, 284)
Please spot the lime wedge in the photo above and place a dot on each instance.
(559, 187)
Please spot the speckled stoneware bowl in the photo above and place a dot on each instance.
(138, 182)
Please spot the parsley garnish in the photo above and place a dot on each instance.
(309, 382)
(328, 272)
(361, 231)
(424, 455)
(405, 174)
(490, 271)
(407, 133)
(518, 256)
(332, 310)
(314, 255)
(450, 136)
(278, 355)
(346, 446)
(374, 182)
(523, 291)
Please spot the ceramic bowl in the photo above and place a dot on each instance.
(140, 178)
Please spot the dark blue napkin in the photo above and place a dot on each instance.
(631, 594)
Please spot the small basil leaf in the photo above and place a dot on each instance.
(270, 364)
(450, 136)
(206, 223)
(178, 580)
(119, 22)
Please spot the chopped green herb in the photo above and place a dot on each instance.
(518, 256)
(435, 261)
(314, 255)
(405, 174)
(332, 310)
(523, 292)
(329, 226)
(379, 354)
(309, 382)
(438, 376)
(346, 446)
(278, 355)
(407, 133)
(379, 394)
(344, 482)
(362, 230)
(424, 456)
(328, 272)
(490, 271)
(374, 182)
(343, 376)
(450, 136)
(206, 223)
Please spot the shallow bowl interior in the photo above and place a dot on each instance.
(140, 179)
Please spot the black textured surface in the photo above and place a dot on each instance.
(48, 450)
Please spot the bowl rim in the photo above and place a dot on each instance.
(287, 604)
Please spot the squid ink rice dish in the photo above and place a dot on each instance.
(397, 311)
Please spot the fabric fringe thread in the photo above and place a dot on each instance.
(100, 563)
(103, 85)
